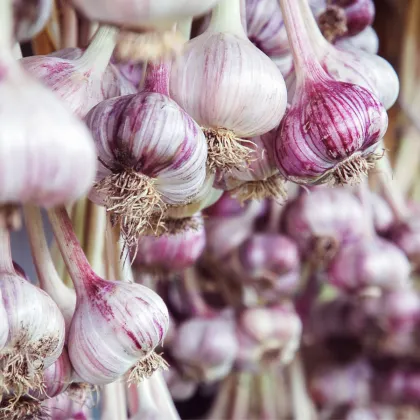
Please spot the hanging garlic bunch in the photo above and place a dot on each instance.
(259, 178)
(82, 80)
(219, 79)
(42, 145)
(116, 325)
(30, 17)
(357, 67)
(332, 129)
(151, 155)
(36, 328)
(142, 13)
(172, 252)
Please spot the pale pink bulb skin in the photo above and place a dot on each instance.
(370, 262)
(77, 86)
(338, 215)
(138, 12)
(150, 133)
(226, 206)
(171, 252)
(41, 140)
(359, 14)
(383, 217)
(367, 41)
(62, 407)
(401, 385)
(4, 324)
(30, 17)
(115, 325)
(206, 347)
(221, 90)
(407, 237)
(333, 386)
(181, 388)
(327, 123)
(267, 335)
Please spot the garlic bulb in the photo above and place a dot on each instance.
(180, 387)
(206, 347)
(116, 325)
(81, 80)
(148, 143)
(218, 80)
(172, 252)
(349, 65)
(42, 145)
(30, 17)
(138, 13)
(367, 41)
(267, 335)
(260, 178)
(36, 328)
(49, 281)
(367, 263)
(332, 128)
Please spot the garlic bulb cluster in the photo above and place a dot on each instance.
(220, 90)
(30, 17)
(36, 328)
(151, 154)
(116, 325)
(172, 252)
(358, 67)
(332, 129)
(259, 178)
(82, 80)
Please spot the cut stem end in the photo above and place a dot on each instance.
(333, 23)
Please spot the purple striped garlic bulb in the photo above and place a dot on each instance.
(332, 128)
(36, 328)
(371, 262)
(30, 17)
(219, 79)
(173, 251)
(151, 155)
(116, 325)
(42, 145)
(82, 79)
(259, 178)
(337, 220)
(352, 66)
(138, 13)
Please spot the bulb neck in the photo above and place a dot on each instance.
(76, 262)
(226, 17)
(157, 78)
(6, 262)
(99, 52)
(307, 66)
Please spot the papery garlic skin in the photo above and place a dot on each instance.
(175, 161)
(367, 41)
(206, 347)
(78, 79)
(40, 140)
(221, 91)
(134, 13)
(36, 324)
(115, 325)
(4, 324)
(172, 252)
(30, 17)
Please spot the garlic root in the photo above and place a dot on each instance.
(146, 367)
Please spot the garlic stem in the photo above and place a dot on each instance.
(47, 274)
(6, 262)
(184, 27)
(99, 52)
(268, 405)
(226, 17)
(192, 289)
(304, 59)
(162, 397)
(6, 24)
(242, 392)
(364, 197)
(77, 264)
(157, 78)
(114, 406)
